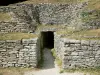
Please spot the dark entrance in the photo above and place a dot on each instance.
(7, 2)
(48, 39)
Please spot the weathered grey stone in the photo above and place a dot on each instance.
(73, 41)
(12, 52)
(84, 54)
(26, 17)
(74, 53)
(16, 54)
(84, 42)
(29, 41)
(2, 50)
(94, 42)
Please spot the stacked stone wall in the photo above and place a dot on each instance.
(78, 53)
(6, 27)
(19, 53)
(50, 14)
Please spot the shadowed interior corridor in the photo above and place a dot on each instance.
(47, 43)
(48, 58)
(48, 39)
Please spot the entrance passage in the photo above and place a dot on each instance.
(48, 39)
(48, 58)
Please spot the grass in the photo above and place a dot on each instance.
(87, 35)
(16, 36)
(86, 71)
(57, 59)
(14, 71)
(52, 1)
(55, 27)
(5, 16)
(94, 4)
(70, 32)
(65, 32)
(93, 34)
(90, 16)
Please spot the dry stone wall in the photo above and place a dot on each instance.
(6, 27)
(19, 53)
(21, 19)
(54, 14)
(26, 52)
(77, 53)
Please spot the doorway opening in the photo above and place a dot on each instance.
(48, 39)
(46, 44)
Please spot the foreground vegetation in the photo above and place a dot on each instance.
(57, 59)
(86, 71)
(14, 71)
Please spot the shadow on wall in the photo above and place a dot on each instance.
(7, 2)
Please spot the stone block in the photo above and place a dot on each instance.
(33, 40)
(27, 47)
(23, 50)
(74, 53)
(80, 53)
(13, 52)
(29, 41)
(85, 42)
(32, 53)
(84, 48)
(98, 52)
(68, 49)
(2, 42)
(2, 50)
(94, 42)
(12, 41)
(66, 41)
(73, 41)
